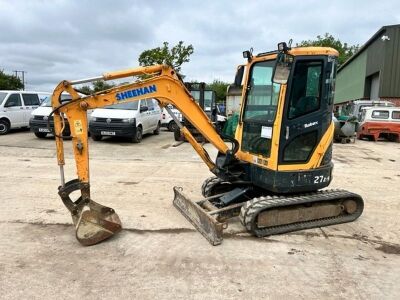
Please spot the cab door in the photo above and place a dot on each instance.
(308, 109)
(259, 110)
(15, 110)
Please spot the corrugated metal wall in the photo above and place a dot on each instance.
(381, 59)
(375, 56)
(350, 81)
(390, 79)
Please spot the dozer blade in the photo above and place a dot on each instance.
(96, 224)
(202, 220)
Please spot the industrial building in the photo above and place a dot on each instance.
(374, 71)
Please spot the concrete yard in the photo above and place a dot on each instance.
(160, 255)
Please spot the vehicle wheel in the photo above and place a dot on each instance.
(4, 127)
(157, 130)
(96, 137)
(138, 135)
(40, 135)
(172, 126)
(178, 136)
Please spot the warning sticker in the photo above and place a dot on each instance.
(78, 127)
(266, 132)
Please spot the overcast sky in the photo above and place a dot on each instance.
(60, 39)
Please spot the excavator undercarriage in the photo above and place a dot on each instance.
(266, 215)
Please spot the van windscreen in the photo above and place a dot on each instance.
(128, 105)
(47, 101)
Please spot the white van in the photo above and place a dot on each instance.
(39, 122)
(16, 108)
(166, 119)
(131, 119)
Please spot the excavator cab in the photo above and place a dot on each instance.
(270, 174)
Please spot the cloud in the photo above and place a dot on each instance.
(60, 39)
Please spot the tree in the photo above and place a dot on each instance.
(97, 86)
(87, 90)
(220, 89)
(101, 85)
(10, 82)
(174, 57)
(345, 50)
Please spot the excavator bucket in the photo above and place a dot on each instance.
(94, 226)
(93, 222)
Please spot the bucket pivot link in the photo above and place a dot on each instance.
(93, 221)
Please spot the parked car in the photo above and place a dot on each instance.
(380, 122)
(166, 119)
(131, 119)
(16, 108)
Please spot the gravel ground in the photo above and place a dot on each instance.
(160, 255)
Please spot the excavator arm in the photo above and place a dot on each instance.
(93, 221)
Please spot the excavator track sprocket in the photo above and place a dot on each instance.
(214, 185)
(269, 215)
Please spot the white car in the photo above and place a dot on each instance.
(131, 119)
(166, 119)
(16, 108)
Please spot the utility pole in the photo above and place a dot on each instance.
(23, 77)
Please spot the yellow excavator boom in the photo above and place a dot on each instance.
(164, 85)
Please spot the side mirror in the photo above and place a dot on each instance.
(239, 75)
(282, 68)
(144, 108)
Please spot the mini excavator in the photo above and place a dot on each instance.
(270, 174)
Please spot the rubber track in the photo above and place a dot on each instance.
(251, 209)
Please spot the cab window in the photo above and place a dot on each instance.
(150, 104)
(143, 103)
(13, 100)
(396, 115)
(380, 114)
(208, 97)
(305, 95)
(31, 99)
